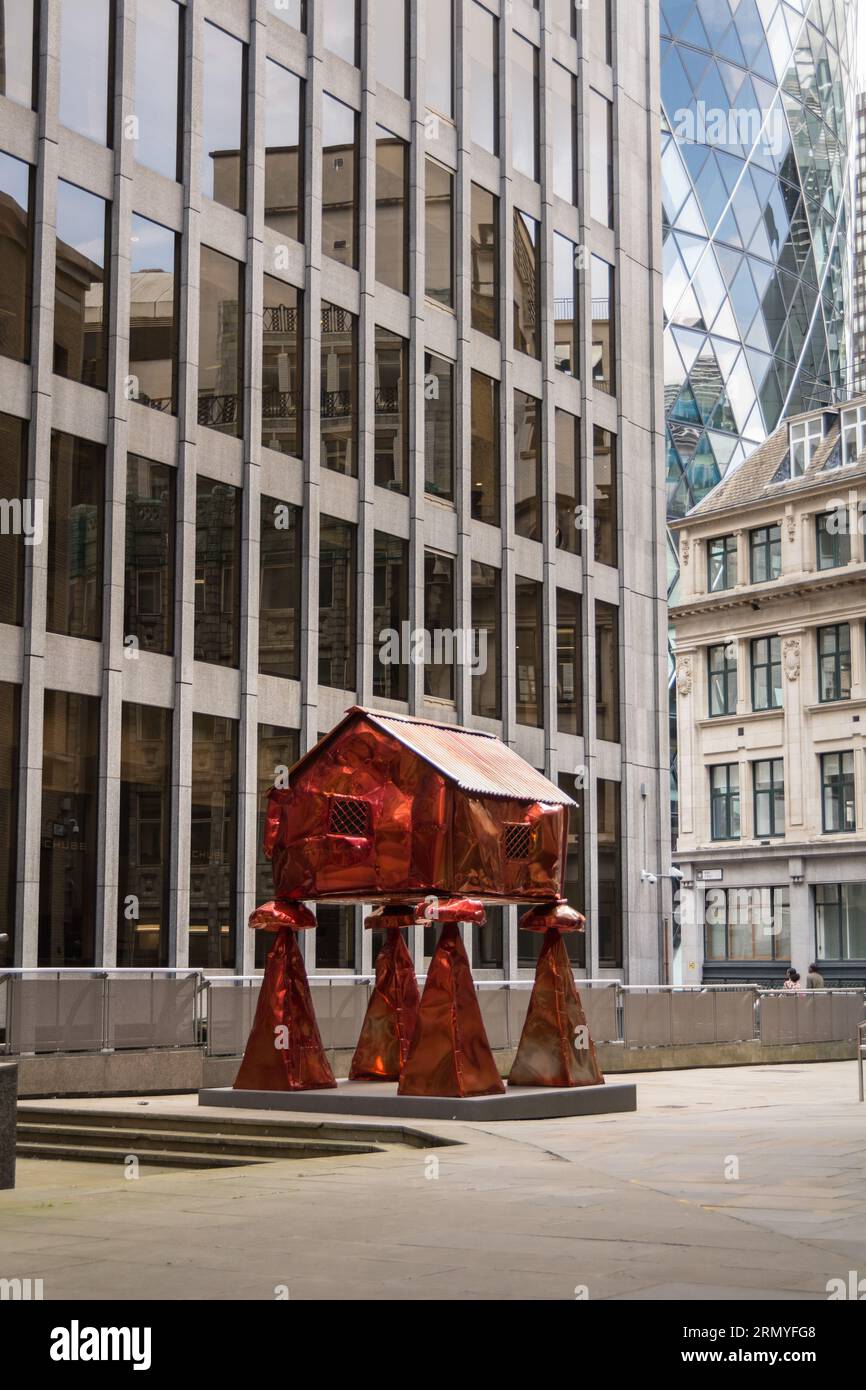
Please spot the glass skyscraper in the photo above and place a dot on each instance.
(757, 112)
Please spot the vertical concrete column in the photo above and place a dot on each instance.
(417, 256)
(802, 938)
(366, 357)
(547, 503)
(506, 385)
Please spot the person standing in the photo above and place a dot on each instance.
(792, 980)
(814, 979)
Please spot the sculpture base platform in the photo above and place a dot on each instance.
(380, 1098)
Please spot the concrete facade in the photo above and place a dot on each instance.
(37, 660)
(816, 713)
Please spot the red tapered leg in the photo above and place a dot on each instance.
(392, 1013)
(555, 1048)
(284, 1051)
(450, 1054)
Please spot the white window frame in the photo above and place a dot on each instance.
(853, 431)
(804, 437)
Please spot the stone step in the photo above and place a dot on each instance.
(138, 1140)
(158, 1158)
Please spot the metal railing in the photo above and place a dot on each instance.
(861, 1053)
(84, 1009)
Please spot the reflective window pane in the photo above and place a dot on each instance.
(335, 937)
(19, 519)
(484, 76)
(340, 29)
(18, 52)
(282, 375)
(439, 57)
(217, 572)
(292, 12)
(439, 234)
(148, 606)
(484, 446)
(337, 616)
(526, 285)
(392, 180)
(565, 305)
(70, 833)
(278, 749)
(569, 663)
(486, 622)
(601, 158)
(339, 181)
(280, 589)
(391, 441)
(339, 390)
(527, 466)
(603, 326)
(213, 842)
(610, 838)
(389, 17)
(284, 124)
(439, 601)
(153, 315)
(85, 67)
(158, 83)
(438, 426)
(220, 343)
(607, 672)
(76, 517)
(485, 261)
(524, 97)
(145, 836)
(390, 616)
(223, 137)
(567, 449)
(529, 627)
(605, 504)
(16, 258)
(80, 287)
(563, 107)
(10, 747)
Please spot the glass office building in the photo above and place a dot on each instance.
(333, 348)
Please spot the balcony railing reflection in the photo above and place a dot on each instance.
(218, 410)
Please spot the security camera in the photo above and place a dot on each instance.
(647, 877)
(674, 872)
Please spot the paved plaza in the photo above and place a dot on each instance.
(732, 1183)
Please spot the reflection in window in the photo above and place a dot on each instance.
(278, 749)
(602, 327)
(439, 604)
(766, 654)
(148, 597)
(834, 662)
(16, 258)
(486, 608)
(439, 234)
(837, 792)
(527, 466)
(85, 68)
(569, 666)
(840, 912)
(10, 716)
(391, 48)
(69, 829)
(391, 441)
(18, 34)
(567, 449)
(484, 76)
(439, 57)
(607, 672)
(832, 540)
(390, 612)
(527, 313)
(145, 836)
(748, 924)
(220, 343)
(76, 517)
(769, 792)
(485, 261)
(529, 628)
(224, 135)
(340, 29)
(158, 84)
(282, 376)
(217, 572)
(605, 524)
(565, 305)
(438, 426)
(280, 589)
(609, 916)
(339, 181)
(335, 937)
(153, 315)
(574, 887)
(485, 449)
(563, 107)
(601, 158)
(337, 618)
(80, 288)
(293, 12)
(284, 123)
(339, 390)
(392, 183)
(765, 550)
(488, 948)
(524, 97)
(213, 842)
(22, 518)
(721, 563)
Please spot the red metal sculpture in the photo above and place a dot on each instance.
(392, 1012)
